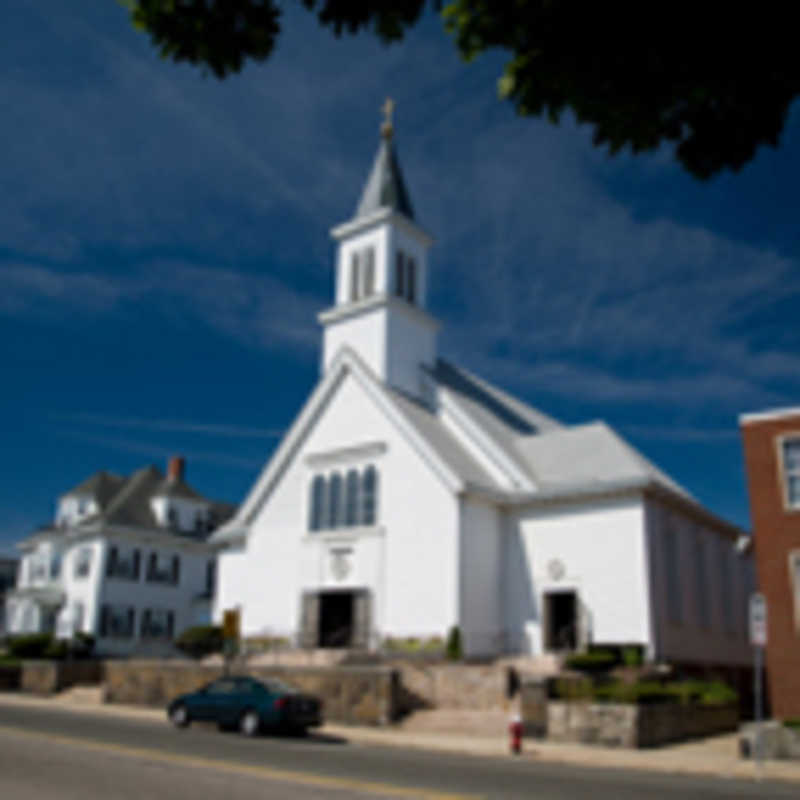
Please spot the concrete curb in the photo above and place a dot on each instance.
(715, 757)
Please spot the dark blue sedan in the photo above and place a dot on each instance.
(249, 705)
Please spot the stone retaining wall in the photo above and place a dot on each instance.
(48, 677)
(627, 725)
(351, 695)
(474, 687)
(10, 677)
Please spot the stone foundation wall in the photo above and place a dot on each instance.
(10, 677)
(48, 677)
(351, 695)
(624, 725)
(475, 687)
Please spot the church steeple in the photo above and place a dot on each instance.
(382, 278)
(385, 187)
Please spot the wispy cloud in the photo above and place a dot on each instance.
(680, 433)
(175, 426)
(258, 310)
(153, 450)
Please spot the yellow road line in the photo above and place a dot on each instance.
(272, 773)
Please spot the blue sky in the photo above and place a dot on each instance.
(164, 250)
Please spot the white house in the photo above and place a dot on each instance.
(126, 560)
(410, 496)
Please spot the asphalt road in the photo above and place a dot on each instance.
(49, 753)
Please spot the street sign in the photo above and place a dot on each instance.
(758, 620)
(230, 624)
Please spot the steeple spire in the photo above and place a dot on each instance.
(385, 187)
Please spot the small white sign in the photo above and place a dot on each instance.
(758, 620)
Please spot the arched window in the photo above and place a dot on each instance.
(316, 514)
(335, 505)
(411, 280)
(369, 271)
(351, 499)
(369, 496)
(355, 281)
(399, 275)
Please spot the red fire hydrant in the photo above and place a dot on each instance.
(515, 733)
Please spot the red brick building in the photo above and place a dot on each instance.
(772, 459)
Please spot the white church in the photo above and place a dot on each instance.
(410, 496)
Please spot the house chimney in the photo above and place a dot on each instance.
(175, 468)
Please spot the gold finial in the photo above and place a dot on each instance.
(387, 128)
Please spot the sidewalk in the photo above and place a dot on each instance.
(717, 756)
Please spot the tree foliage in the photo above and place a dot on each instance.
(715, 81)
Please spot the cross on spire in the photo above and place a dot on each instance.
(387, 128)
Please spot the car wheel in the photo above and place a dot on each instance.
(249, 723)
(179, 716)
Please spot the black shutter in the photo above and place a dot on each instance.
(111, 566)
(144, 629)
(151, 566)
(176, 569)
(170, 624)
(130, 628)
(104, 620)
(136, 560)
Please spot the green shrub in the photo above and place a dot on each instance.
(56, 651)
(82, 645)
(632, 656)
(200, 641)
(412, 644)
(793, 723)
(573, 689)
(29, 645)
(593, 661)
(704, 693)
(717, 693)
(453, 648)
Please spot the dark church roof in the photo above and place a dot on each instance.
(385, 187)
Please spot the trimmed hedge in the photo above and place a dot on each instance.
(30, 645)
(703, 693)
(593, 661)
(201, 641)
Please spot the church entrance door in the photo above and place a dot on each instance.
(561, 620)
(335, 619)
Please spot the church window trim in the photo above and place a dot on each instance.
(335, 501)
(355, 278)
(411, 280)
(338, 502)
(399, 274)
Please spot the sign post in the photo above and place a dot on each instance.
(758, 638)
(230, 635)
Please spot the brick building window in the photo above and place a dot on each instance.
(790, 452)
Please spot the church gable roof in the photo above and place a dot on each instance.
(589, 455)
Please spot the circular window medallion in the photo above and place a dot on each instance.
(340, 564)
(556, 569)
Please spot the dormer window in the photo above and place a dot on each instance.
(172, 518)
